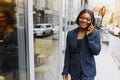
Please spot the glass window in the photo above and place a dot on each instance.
(46, 44)
(12, 40)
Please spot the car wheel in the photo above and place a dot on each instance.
(35, 35)
(119, 35)
(44, 34)
(51, 32)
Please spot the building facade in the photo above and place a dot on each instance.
(45, 11)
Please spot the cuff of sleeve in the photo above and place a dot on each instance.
(64, 73)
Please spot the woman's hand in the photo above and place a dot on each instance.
(90, 29)
(65, 77)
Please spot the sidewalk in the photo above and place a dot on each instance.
(106, 66)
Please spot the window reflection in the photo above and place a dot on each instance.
(8, 42)
(46, 38)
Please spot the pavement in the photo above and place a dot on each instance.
(107, 68)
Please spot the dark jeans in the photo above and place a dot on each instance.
(2, 60)
(8, 61)
(81, 77)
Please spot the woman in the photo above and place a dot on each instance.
(8, 40)
(82, 44)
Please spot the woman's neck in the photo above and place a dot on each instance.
(81, 33)
(82, 29)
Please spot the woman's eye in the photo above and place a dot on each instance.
(82, 18)
(88, 19)
(85, 19)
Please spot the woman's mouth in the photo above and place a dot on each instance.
(84, 24)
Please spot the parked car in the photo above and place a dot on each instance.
(56, 30)
(104, 35)
(115, 31)
(43, 29)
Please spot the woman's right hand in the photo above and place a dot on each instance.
(65, 77)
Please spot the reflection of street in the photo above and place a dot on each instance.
(47, 48)
(49, 37)
(44, 48)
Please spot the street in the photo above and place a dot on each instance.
(106, 66)
(46, 47)
(114, 46)
(107, 62)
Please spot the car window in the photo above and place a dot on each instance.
(39, 26)
(48, 26)
(42, 26)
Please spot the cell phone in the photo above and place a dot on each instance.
(90, 24)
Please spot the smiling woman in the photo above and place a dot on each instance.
(8, 39)
(12, 39)
(3, 19)
(81, 46)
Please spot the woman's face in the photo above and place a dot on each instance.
(3, 19)
(85, 20)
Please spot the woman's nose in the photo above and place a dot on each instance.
(84, 20)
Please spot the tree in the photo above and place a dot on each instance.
(102, 13)
(111, 18)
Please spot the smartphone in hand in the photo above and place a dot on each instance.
(90, 29)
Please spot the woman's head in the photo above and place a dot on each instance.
(7, 18)
(3, 19)
(85, 18)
